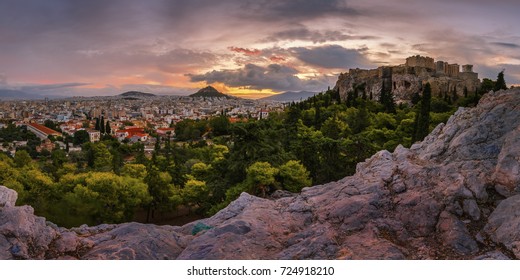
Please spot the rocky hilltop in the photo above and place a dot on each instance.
(209, 91)
(456, 195)
(407, 79)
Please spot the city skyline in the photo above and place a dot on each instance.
(243, 48)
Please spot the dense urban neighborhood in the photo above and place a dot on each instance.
(129, 118)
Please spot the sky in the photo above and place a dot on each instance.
(248, 48)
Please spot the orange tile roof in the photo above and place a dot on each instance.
(44, 129)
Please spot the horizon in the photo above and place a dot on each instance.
(242, 48)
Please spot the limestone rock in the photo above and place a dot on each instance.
(504, 224)
(7, 197)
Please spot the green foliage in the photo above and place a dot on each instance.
(487, 85)
(260, 178)
(294, 176)
(102, 125)
(190, 130)
(108, 130)
(102, 157)
(422, 123)
(100, 197)
(80, 137)
(501, 82)
(220, 125)
(22, 158)
(334, 128)
(98, 124)
(134, 170)
(195, 192)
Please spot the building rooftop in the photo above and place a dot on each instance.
(44, 129)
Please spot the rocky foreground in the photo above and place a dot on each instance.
(456, 195)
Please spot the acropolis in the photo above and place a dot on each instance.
(409, 78)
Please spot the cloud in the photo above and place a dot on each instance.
(277, 58)
(296, 9)
(249, 52)
(3, 79)
(506, 45)
(331, 57)
(273, 76)
(33, 88)
(304, 34)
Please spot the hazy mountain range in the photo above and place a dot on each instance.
(209, 91)
(9, 94)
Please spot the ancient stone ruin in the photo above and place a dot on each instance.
(409, 78)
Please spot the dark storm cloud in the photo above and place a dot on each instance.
(506, 45)
(332, 57)
(296, 9)
(274, 76)
(304, 34)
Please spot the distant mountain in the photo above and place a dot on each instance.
(9, 94)
(209, 91)
(290, 96)
(136, 94)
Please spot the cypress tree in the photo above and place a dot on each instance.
(108, 130)
(501, 82)
(423, 116)
(102, 125)
(97, 124)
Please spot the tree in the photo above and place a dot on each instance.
(422, 124)
(333, 128)
(487, 85)
(160, 190)
(361, 119)
(195, 192)
(140, 156)
(501, 82)
(100, 197)
(22, 158)
(294, 176)
(58, 157)
(220, 125)
(98, 125)
(102, 157)
(108, 130)
(134, 170)
(80, 137)
(260, 178)
(102, 125)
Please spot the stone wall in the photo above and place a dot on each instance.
(420, 61)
